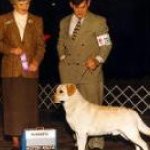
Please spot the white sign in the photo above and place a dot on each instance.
(43, 139)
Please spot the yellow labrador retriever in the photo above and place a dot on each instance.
(88, 119)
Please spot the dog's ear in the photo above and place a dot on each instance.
(71, 89)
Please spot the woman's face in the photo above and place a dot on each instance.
(22, 6)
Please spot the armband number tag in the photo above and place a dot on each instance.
(104, 40)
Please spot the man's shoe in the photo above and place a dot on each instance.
(94, 149)
(96, 143)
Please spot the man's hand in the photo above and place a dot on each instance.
(91, 63)
(16, 51)
(33, 66)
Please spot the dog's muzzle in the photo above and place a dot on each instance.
(55, 100)
(62, 102)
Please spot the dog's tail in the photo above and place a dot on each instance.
(143, 128)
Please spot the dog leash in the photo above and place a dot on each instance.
(85, 71)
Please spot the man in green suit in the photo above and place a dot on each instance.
(82, 50)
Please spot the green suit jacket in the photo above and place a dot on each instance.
(32, 44)
(86, 45)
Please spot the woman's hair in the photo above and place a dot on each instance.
(15, 1)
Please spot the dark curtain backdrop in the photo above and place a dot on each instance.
(129, 25)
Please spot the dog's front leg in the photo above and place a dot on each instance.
(81, 140)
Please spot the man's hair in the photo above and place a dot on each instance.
(15, 1)
(77, 2)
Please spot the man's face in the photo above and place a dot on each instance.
(22, 7)
(80, 10)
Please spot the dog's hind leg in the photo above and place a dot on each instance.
(142, 126)
(140, 143)
(137, 147)
(81, 141)
(136, 139)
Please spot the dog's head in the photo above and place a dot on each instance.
(64, 92)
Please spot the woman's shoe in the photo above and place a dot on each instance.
(16, 143)
(15, 148)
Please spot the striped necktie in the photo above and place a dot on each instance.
(76, 29)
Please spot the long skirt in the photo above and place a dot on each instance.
(20, 104)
